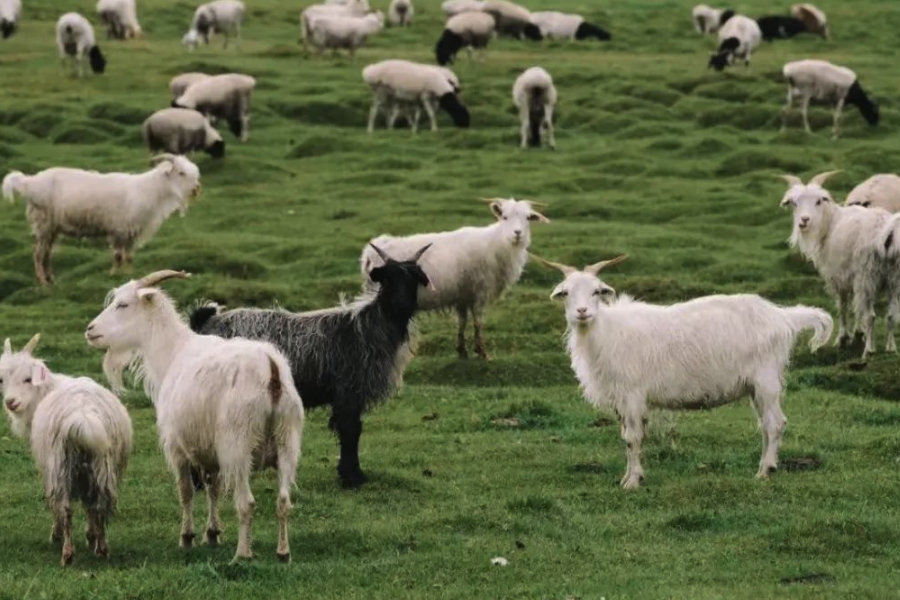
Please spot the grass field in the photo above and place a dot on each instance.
(657, 157)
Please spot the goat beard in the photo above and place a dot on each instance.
(115, 363)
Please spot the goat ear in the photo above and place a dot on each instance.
(497, 209)
(147, 295)
(787, 200)
(39, 374)
(7, 347)
(536, 216)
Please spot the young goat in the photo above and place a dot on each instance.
(349, 357)
(855, 251)
(223, 407)
(80, 438)
(633, 357)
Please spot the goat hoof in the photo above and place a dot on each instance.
(187, 540)
(212, 537)
(632, 483)
(283, 557)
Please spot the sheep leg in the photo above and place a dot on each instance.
(429, 109)
(213, 524)
(787, 108)
(392, 118)
(804, 109)
(461, 315)
(548, 119)
(118, 259)
(245, 119)
(767, 403)
(348, 425)
(186, 497)
(288, 455)
(373, 114)
(415, 121)
(836, 127)
(633, 425)
(525, 120)
(477, 319)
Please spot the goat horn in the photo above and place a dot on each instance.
(539, 204)
(821, 178)
(380, 252)
(597, 267)
(566, 269)
(419, 254)
(491, 200)
(32, 344)
(160, 276)
(792, 180)
(7, 347)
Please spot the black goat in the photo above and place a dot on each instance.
(349, 357)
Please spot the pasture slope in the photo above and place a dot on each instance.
(658, 157)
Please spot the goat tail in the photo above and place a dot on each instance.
(14, 184)
(289, 422)
(889, 239)
(807, 317)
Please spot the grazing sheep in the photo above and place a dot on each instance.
(181, 131)
(815, 19)
(126, 208)
(470, 267)
(120, 19)
(855, 251)
(535, 96)
(454, 7)
(466, 30)
(180, 83)
(396, 83)
(80, 437)
(564, 26)
(219, 16)
(739, 36)
(358, 7)
(75, 40)
(342, 32)
(708, 19)
(512, 20)
(823, 81)
(778, 28)
(634, 357)
(224, 97)
(223, 407)
(878, 191)
(10, 13)
(350, 357)
(400, 13)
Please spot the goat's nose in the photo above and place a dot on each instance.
(582, 310)
(11, 404)
(90, 327)
(518, 232)
(804, 219)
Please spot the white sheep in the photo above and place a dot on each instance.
(342, 32)
(814, 19)
(535, 96)
(566, 26)
(404, 86)
(180, 83)
(469, 268)
(878, 191)
(181, 131)
(466, 30)
(821, 80)
(359, 7)
(10, 13)
(120, 18)
(125, 208)
(224, 97)
(512, 20)
(223, 407)
(400, 13)
(708, 19)
(854, 249)
(739, 36)
(75, 40)
(219, 16)
(633, 357)
(80, 438)
(455, 7)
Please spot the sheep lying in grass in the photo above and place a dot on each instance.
(80, 437)
(535, 96)
(10, 13)
(181, 131)
(854, 249)
(564, 26)
(739, 36)
(633, 357)
(400, 13)
(125, 208)
(820, 80)
(224, 97)
(466, 30)
(470, 267)
(75, 40)
(182, 82)
(878, 191)
(342, 32)
(219, 16)
(814, 19)
(349, 357)
(223, 407)
(120, 18)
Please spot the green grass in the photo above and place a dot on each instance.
(658, 157)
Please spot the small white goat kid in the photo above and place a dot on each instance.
(80, 438)
(223, 407)
(633, 357)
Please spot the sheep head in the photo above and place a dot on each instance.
(812, 203)
(582, 290)
(24, 382)
(514, 218)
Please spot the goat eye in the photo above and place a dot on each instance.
(121, 305)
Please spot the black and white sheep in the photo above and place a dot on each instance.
(75, 40)
(738, 38)
(181, 131)
(219, 16)
(565, 26)
(10, 13)
(777, 27)
(400, 13)
(512, 20)
(466, 30)
(224, 97)
(349, 357)
(535, 96)
(120, 19)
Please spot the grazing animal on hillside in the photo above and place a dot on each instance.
(225, 97)
(120, 19)
(125, 208)
(565, 26)
(180, 83)
(777, 27)
(455, 7)
(10, 13)
(342, 32)
(181, 131)
(512, 20)
(359, 7)
(739, 36)
(471, 267)
(708, 19)
(535, 96)
(878, 191)
(633, 357)
(814, 19)
(224, 408)
(75, 40)
(80, 438)
(400, 13)
(350, 357)
(466, 30)
(856, 251)
(219, 16)
(820, 80)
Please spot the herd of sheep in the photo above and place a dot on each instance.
(230, 387)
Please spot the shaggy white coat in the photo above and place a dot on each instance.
(173, 126)
(878, 191)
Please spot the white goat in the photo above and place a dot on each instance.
(225, 96)
(120, 18)
(814, 19)
(219, 16)
(821, 80)
(739, 36)
(80, 437)
(469, 267)
(75, 40)
(855, 251)
(126, 208)
(342, 32)
(223, 407)
(400, 13)
(535, 96)
(632, 356)
(182, 82)
(10, 13)
(878, 191)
